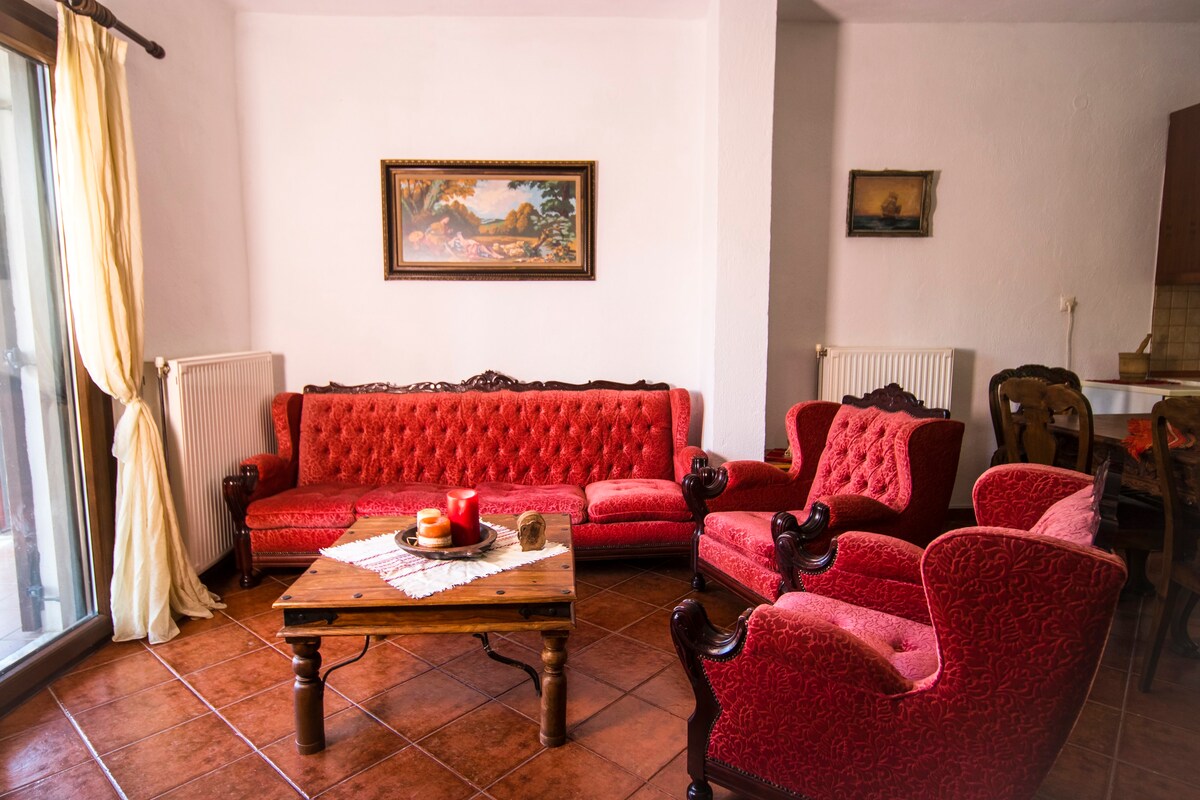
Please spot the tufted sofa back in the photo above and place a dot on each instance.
(531, 437)
(866, 454)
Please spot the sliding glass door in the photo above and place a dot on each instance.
(46, 577)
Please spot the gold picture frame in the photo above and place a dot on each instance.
(489, 220)
(889, 202)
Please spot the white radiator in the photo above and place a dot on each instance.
(217, 411)
(926, 372)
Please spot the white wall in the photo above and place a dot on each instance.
(805, 82)
(186, 139)
(1049, 141)
(323, 99)
(737, 214)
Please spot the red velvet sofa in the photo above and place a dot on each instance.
(609, 455)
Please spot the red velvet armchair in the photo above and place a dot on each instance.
(887, 465)
(971, 696)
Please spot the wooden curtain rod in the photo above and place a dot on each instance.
(103, 16)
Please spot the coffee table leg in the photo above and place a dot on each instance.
(554, 688)
(309, 694)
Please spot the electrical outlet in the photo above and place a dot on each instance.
(1066, 302)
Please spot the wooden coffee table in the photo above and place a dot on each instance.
(336, 599)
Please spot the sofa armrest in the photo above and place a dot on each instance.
(259, 476)
(1016, 495)
(685, 458)
(759, 486)
(870, 570)
(853, 511)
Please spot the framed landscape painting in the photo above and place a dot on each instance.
(889, 203)
(489, 220)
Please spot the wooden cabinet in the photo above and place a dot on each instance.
(1179, 227)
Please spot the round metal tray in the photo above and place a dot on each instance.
(407, 540)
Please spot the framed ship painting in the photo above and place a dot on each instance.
(489, 220)
(889, 202)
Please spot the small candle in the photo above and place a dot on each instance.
(433, 531)
(462, 507)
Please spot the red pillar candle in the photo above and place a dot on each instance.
(462, 507)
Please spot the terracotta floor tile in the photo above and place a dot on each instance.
(84, 782)
(1172, 668)
(249, 776)
(612, 611)
(585, 696)
(489, 676)
(584, 635)
(1133, 783)
(635, 735)
(1167, 702)
(622, 662)
(437, 648)
(657, 590)
(585, 590)
(677, 567)
(334, 649)
(1096, 729)
(654, 630)
(203, 650)
(115, 679)
(605, 573)
(380, 669)
(1077, 774)
(353, 742)
(1166, 749)
(566, 773)
(670, 690)
(40, 752)
(253, 601)
(109, 651)
(194, 626)
(648, 792)
(266, 625)
(40, 709)
(139, 715)
(425, 703)
(1109, 687)
(673, 778)
(269, 716)
(485, 743)
(171, 758)
(408, 775)
(238, 678)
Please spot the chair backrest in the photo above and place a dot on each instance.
(893, 398)
(1048, 374)
(1180, 537)
(1026, 433)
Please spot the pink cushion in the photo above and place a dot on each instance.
(1073, 519)
(320, 505)
(513, 498)
(636, 500)
(402, 498)
(909, 646)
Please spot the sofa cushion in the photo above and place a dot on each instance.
(322, 505)
(496, 497)
(293, 541)
(909, 646)
(636, 500)
(402, 498)
(1073, 519)
(748, 532)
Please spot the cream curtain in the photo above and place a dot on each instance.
(152, 578)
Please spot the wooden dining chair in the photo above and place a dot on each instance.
(1028, 406)
(1181, 561)
(1047, 374)
(1025, 429)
